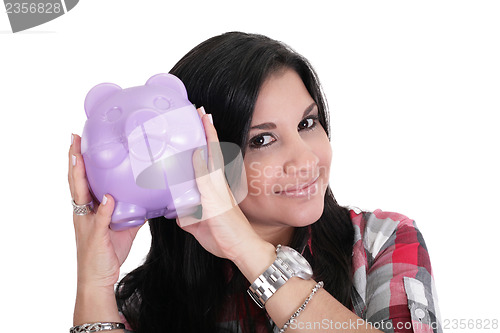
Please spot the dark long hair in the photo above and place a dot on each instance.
(183, 288)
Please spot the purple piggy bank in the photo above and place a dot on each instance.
(137, 145)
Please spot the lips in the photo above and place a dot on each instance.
(301, 189)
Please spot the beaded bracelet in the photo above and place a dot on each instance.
(96, 327)
(293, 318)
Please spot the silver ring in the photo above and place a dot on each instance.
(82, 209)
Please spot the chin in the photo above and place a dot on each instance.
(301, 214)
(304, 216)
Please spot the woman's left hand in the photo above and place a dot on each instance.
(224, 230)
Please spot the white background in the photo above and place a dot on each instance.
(414, 90)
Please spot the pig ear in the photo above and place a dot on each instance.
(99, 94)
(169, 81)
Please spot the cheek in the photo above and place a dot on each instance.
(258, 177)
(326, 156)
(255, 201)
(323, 149)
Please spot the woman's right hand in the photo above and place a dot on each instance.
(100, 250)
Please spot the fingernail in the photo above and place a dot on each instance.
(72, 138)
(73, 160)
(104, 200)
(202, 153)
(202, 109)
(210, 118)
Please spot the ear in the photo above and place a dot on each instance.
(169, 81)
(99, 94)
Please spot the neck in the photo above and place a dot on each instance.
(274, 234)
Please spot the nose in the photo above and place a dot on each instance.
(301, 160)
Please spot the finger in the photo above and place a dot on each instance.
(215, 157)
(214, 153)
(215, 193)
(201, 111)
(206, 180)
(70, 168)
(72, 159)
(104, 213)
(210, 131)
(81, 193)
(77, 142)
(200, 168)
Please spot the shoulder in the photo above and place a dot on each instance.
(392, 274)
(378, 230)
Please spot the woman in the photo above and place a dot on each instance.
(366, 267)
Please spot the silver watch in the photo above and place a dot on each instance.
(288, 263)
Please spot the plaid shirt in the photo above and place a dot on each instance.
(393, 283)
(393, 286)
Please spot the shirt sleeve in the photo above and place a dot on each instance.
(400, 291)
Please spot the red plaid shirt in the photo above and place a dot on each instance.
(393, 282)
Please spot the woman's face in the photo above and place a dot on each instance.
(287, 157)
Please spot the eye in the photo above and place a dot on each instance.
(261, 141)
(308, 123)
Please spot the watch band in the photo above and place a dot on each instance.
(269, 282)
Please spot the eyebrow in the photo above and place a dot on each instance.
(265, 126)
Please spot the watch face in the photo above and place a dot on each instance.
(296, 262)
